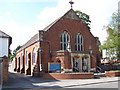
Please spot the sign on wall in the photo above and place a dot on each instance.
(54, 67)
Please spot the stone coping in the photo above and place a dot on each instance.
(74, 73)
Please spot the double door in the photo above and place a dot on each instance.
(84, 65)
(76, 65)
(80, 65)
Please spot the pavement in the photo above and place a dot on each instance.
(21, 81)
(0, 87)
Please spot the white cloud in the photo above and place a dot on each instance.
(99, 10)
(20, 34)
(48, 15)
(27, 1)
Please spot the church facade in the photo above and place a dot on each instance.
(66, 45)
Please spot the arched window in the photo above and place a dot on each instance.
(34, 55)
(26, 58)
(64, 40)
(79, 42)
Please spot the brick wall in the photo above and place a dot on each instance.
(112, 73)
(72, 27)
(68, 76)
(5, 70)
(51, 42)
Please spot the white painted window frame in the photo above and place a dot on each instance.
(34, 55)
(64, 40)
(79, 42)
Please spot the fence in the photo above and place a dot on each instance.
(108, 67)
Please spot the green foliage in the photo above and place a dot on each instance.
(84, 17)
(12, 55)
(112, 43)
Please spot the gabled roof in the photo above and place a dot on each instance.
(34, 39)
(70, 15)
(50, 25)
(4, 35)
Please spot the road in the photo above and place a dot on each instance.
(23, 82)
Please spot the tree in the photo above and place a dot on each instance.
(84, 17)
(12, 55)
(112, 43)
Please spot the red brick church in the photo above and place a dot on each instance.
(66, 45)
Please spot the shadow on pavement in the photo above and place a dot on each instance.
(17, 81)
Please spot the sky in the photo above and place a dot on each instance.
(21, 19)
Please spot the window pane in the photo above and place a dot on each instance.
(26, 57)
(61, 46)
(34, 57)
(78, 47)
(81, 48)
(61, 38)
(67, 38)
(78, 39)
(64, 39)
(65, 48)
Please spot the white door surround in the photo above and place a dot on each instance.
(80, 62)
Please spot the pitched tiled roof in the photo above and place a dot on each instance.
(49, 26)
(34, 39)
(66, 15)
(4, 35)
(36, 36)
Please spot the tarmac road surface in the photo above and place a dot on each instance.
(22, 82)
